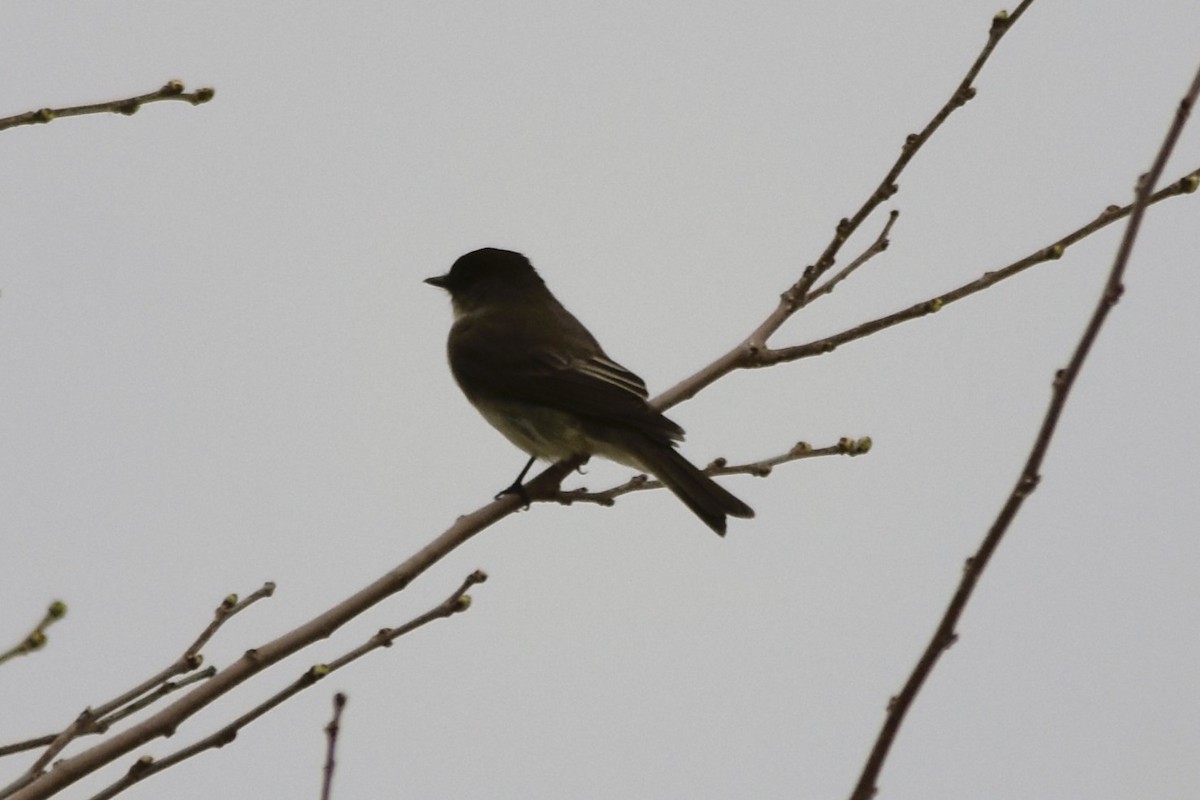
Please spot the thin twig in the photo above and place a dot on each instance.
(149, 699)
(165, 721)
(748, 352)
(171, 90)
(846, 446)
(767, 357)
(96, 720)
(147, 765)
(888, 187)
(36, 639)
(228, 608)
(878, 246)
(331, 733)
(102, 724)
(945, 634)
(27, 744)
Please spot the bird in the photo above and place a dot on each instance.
(538, 376)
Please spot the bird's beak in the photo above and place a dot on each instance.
(439, 281)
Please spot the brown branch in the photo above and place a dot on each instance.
(152, 697)
(228, 608)
(98, 719)
(766, 357)
(103, 724)
(166, 720)
(878, 246)
(171, 90)
(760, 469)
(888, 187)
(747, 353)
(147, 765)
(945, 634)
(331, 733)
(36, 639)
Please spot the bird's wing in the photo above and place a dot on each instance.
(586, 385)
(605, 369)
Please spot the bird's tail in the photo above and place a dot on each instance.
(707, 499)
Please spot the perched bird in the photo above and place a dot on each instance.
(536, 374)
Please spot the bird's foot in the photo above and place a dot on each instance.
(519, 491)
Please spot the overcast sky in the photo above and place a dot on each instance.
(219, 366)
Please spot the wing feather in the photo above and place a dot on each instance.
(591, 386)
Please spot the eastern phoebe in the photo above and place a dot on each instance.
(537, 375)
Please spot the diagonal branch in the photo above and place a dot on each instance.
(800, 293)
(1030, 476)
(845, 446)
(166, 720)
(171, 90)
(98, 719)
(770, 356)
(36, 639)
(146, 766)
(878, 246)
(888, 187)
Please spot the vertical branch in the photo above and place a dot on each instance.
(1030, 476)
(331, 732)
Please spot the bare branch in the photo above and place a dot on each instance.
(147, 765)
(945, 634)
(845, 446)
(27, 744)
(159, 692)
(747, 353)
(799, 294)
(102, 725)
(766, 357)
(331, 732)
(228, 608)
(171, 90)
(166, 720)
(98, 719)
(878, 246)
(36, 639)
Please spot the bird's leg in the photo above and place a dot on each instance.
(516, 487)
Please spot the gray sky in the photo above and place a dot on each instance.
(218, 366)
